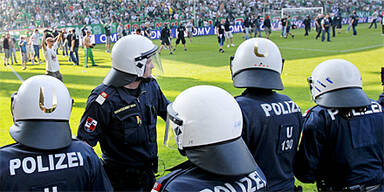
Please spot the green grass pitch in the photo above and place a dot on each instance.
(203, 64)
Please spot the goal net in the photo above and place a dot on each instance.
(301, 13)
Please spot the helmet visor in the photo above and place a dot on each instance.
(173, 129)
(154, 54)
(158, 70)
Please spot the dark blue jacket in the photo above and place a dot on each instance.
(75, 168)
(342, 151)
(124, 123)
(188, 177)
(272, 125)
(381, 99)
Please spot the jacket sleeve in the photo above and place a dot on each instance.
(162, 103)
(99, 180)
(381, 99)
(308, 157)
(95, 117)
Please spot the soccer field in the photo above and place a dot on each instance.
(202, 64)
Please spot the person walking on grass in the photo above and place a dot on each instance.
(23, 50)
(88, 49)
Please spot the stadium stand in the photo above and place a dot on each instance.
(29, 14)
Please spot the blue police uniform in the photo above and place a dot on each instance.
(188, 177)
(272, 125)
(381, 99)
(124, 122)
(74, 168)
(342, 152)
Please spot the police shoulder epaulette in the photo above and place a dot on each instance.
(161, 184)
(103, 94)
(308, 110)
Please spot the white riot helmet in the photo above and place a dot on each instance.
(206, 124)
(257, 63)
(337, 83)
(129, 56)
(41, 109)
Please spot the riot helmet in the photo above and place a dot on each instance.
(129, 57)
(41, 109)
(205, 123)
(337, 83)
(257, 64)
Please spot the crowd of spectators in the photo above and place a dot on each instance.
(22, 14)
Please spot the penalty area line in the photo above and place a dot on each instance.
(16, 74)
(334, 51)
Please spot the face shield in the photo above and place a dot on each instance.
(173, 130)
(141, 61)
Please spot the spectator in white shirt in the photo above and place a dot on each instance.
(50, 45)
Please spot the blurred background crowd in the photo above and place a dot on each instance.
(30, 14)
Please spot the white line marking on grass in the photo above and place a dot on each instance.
(309, 49)
(16, 74)
(362, 48)
(334, 51)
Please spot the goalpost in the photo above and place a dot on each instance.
(302, 12)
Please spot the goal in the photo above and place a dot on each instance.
(301, 13)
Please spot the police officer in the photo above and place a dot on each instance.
(204, 123)
(45, 157)
(381, 98)
(121, 114)
(342, 147)
(272, 121)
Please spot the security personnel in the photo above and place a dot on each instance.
(272, 121)
(204, 123)
(381, 98)
(45, 157)
(121, 114)
(342, 147)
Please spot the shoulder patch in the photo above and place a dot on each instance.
(156, 187)
(90, 124)
(102, 97)
(308, 110)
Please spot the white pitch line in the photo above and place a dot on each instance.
(334, 51)
(362, 48)
(16, 74)
(308, 49)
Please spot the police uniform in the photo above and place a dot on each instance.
(342, 152)
(124, 122)
(272, 125)
(381, 99)
(74, 168)
(188, 177)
